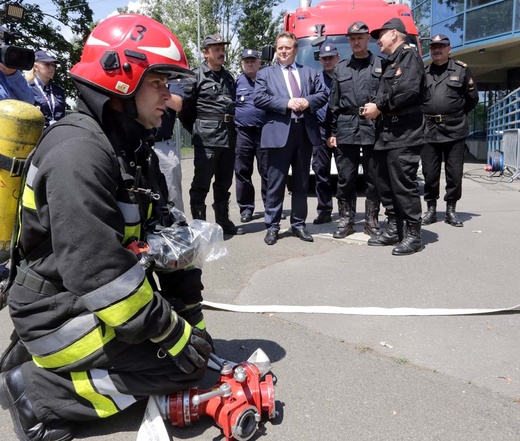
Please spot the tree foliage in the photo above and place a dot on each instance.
(38, 31)
(244, 23)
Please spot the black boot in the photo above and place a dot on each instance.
(412, 242)
(222, 218)
(391, 236)
(346, 220)
(371, 226)
(430, 215)
(198, 212)
(451, 217)
(14, 398)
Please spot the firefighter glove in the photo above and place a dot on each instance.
(184, 344)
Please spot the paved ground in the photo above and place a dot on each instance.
(367, 378)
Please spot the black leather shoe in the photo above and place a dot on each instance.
(271, 237)
(303, 234)
(246, 217)
(26, 425)
(323, 218)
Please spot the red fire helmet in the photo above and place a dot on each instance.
(123, 48)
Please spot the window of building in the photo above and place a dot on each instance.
(422, 16)
(492, 20)
(443, 9)
(475, 3)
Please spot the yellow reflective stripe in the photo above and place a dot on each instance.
(103, 406)
(182, 342)
(124, 310)
(78, 350)
(150, 207)
(201, 325)
(28, 198)
(132, 231)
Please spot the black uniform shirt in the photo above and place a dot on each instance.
(452, 93)
(246, 114)
(354, 84)
(214, 93)
(399, 98)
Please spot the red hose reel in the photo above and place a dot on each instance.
(238, 401)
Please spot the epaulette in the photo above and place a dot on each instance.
(461, 63)
(406, 47)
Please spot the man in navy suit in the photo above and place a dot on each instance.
(290, 94)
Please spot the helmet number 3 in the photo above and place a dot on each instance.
(138, 33)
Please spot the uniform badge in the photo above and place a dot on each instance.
(454, 78)
(242, 98)
(378, 70)
(470, 81)
(122, 87)
(398, 72)
(355, 27)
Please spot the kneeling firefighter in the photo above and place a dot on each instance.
(100, 332)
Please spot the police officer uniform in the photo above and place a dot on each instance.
(355, 83)
(209, 113)
(451, 95)
(249, 121)
(399, 140)
(322, 154)
(49, 98)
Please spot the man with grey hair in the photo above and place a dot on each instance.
(399, 138)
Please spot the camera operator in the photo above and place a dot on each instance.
(13, 85)
(13, 59)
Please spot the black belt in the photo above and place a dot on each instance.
(403, 112)
(352, 111)
(297, 120)
(441, 118)
(226, 117)
(33, 281)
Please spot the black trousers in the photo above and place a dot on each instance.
(348, 159)
(248, 148)
(397, 182)
(297, 155)
(133, 375)
(212, 162)
(321, 161)
(432, 155)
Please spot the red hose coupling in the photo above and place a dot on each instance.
(237, 402)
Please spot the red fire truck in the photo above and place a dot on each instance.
(330, 19)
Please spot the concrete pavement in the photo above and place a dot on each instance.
(363, 377)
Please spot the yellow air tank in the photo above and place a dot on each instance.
(21, 126)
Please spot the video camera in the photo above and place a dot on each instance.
(14, 57)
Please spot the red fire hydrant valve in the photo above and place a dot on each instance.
(238, 401)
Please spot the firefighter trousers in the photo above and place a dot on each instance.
(137, 373)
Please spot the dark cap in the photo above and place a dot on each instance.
(44, 57)
(213, 39)
(250, 53)
(439, 39)
(358, 27)
(328, 50)
(393, 23)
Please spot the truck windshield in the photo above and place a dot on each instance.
(308, 54)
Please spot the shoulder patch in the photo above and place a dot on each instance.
(461, 63)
